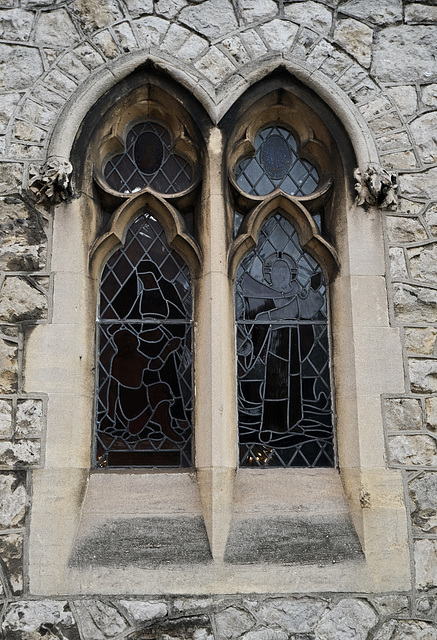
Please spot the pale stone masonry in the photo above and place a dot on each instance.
(381, 55)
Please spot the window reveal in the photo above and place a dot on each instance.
(284, 395)
(144, 401)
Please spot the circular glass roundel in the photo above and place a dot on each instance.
(148, 152)
(275, 157)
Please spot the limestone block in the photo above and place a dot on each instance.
(423, 495)
(11, 174)
(385, 123)
(423, 375)
(425, 136)
(74, 67)
(139, 8)
(294, 615)
(421, 340)
(335, 64)
(429, 96)
(60, 82)
(5, 418)
(12, 500)
(29, 420)
(392, 141)
(409, 207)
(431, 219)
(235, 47)
(99, 621)
(391, 604)
(11, 554)
(216, 18)
(88, 55)
(423, 263)
(19, 66)
(350, 619)
(304, 43)
(232, 623)
(252, 11)
(264, 633)
(8, 365)
(398, 265)
(279, 35)
(125, 36)
(214, 65)
(24, 453)
(15, 24)
(425, 556)
(412, 450)
(55, 28)
(26, 620)
(106, 43)
(141, 611)
(321, 51)
(28, 132)
(96, 14)
(406, 629)
(400, 160)
(311, 14)
(431, 413)
(21, 301)
(405, 98)
(356, 38)
(182, 42)
(425, 604)
(150, 30)
(414, 304)
(403, 414)
(42, 93)
(402, 229)
(8, 102)
(364, 91)
(417, 13)
(22, 236)
(413, 48)
(186, 605)
(380, 12)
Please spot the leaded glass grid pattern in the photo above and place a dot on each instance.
(144, 386)
(284, 390)
(148, 162)
(276, 165)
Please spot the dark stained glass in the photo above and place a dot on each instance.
(148, 161)
(276, 164)
(284, 392)
(144, 397)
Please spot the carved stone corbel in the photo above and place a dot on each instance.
(376, 186)
(51, 183)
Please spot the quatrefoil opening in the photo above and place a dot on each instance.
(148, 161)
(276, 165)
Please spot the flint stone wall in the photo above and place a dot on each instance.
(383, 55)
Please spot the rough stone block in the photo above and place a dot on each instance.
(412, 450)
(399, 160)
(8, 102)
(253, 11)
(96, 14)
(29, 420)
(304, 43)
(99, 621)
(356, 38)
(21, 301)
(403, 230)
(414, 304)
(413, 48)
(387, 122)
(216, 18)
(431, 413)
(421, 340)
(11, 554)
(423, 495)
(393, 141)
(8, 365)
(125, 36)
(11, 175)
(29, 132)
(294, 615)
(25, 453)
(391, 604)
(32, 620)
(423, 130)
(429, 96)
(405, 98)
(139, 8)
(406, 629)
(60, 82)
(181, 42)
(19, 66)
(151, 31)
(379, 12)
(141, 611)
(55, 28)
(214, 65)
(311, 14)
(423, 375)
(431, 219)
(398, 265)
(232, 623)
(74, 67)
(423, 263)
(15, 24)
(417, 13)
(234, 46)
(106, 43)
(5, 418)
(403, 414)
(12, 500)
(425, 556)
(88, 55)
(350, 619)
(279, 35)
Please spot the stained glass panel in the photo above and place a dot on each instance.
(148, 161)
(284, 392)
(144, 398)
(276, 164)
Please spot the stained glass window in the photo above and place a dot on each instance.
(144, 396)
(284, 391)
(148, 161)
(276, 164)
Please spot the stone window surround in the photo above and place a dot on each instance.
(362, 373)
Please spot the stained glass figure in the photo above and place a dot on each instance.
(144, 397)
(284, 391)
(148, 161)
(276, 164)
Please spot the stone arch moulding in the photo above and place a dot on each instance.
(65, 478)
